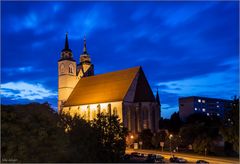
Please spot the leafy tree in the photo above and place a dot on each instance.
(159, 137)
(83, 139)
(200, 129)
(146, 137)
(111, 136)
(202, 143)
(230, 128)
(32, 133)
(36, 133)
(173, 124)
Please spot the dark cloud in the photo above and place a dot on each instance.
(172, 41)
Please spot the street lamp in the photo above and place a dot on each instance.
(170, 137)
(131, 137)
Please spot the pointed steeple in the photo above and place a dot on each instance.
(66, 42)
(66, 47)
(66, 53)
(84, 45)
(158, 98)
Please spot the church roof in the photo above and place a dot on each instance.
(102, 88)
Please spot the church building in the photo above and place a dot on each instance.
(125, 93)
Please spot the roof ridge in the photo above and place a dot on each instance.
(136, 67)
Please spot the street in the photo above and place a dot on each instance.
(189, 157)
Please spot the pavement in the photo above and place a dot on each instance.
(192, 158)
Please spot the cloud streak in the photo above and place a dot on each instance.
(23, 90)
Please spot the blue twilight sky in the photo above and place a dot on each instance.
(185, 48)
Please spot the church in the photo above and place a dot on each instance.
(125, 93)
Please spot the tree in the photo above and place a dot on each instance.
(32, 133)
(173, 124)
(82, 137)
(146, 137)
(198, 129)
(230, 127)
(111, 136)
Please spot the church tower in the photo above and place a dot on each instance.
(85, 68)
(67, 78)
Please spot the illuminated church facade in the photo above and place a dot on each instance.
(125, 93)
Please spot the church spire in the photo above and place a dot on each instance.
(66, 53)
(84, 45)
(158, 98)
(66, 47)
(66, 42)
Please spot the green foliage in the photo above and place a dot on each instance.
(230, 128)
(31, 133)
(200, 129)
(36, 133)
(146, 137)
(173, 124)
(111, 136)
(202, 143)
(82, 137)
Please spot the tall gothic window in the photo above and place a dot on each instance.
(70, 68)
(98, 109)
(145, 118)
(88, 112)
(93, 114)
(109, 109)
(62, 68)
(129, 119)
(115, 111)
(84, 114)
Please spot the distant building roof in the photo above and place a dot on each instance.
(201, 97)
(101, 88)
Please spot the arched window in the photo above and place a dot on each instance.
(94, 114)
(109, 109)
(115, 111)
(145, 118)
(70, 68)
(88, 112)
(84, 114)
(98, 109)
(62, 68)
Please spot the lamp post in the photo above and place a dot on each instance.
(170, 137)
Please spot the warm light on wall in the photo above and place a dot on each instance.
(82, 110)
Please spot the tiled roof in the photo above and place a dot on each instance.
(101, 88)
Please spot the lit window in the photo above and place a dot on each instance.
(94, 114)
(203, 101)
(115, 111)
(199, 100)
(207, 114)
(204, 110)
(195, 109)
